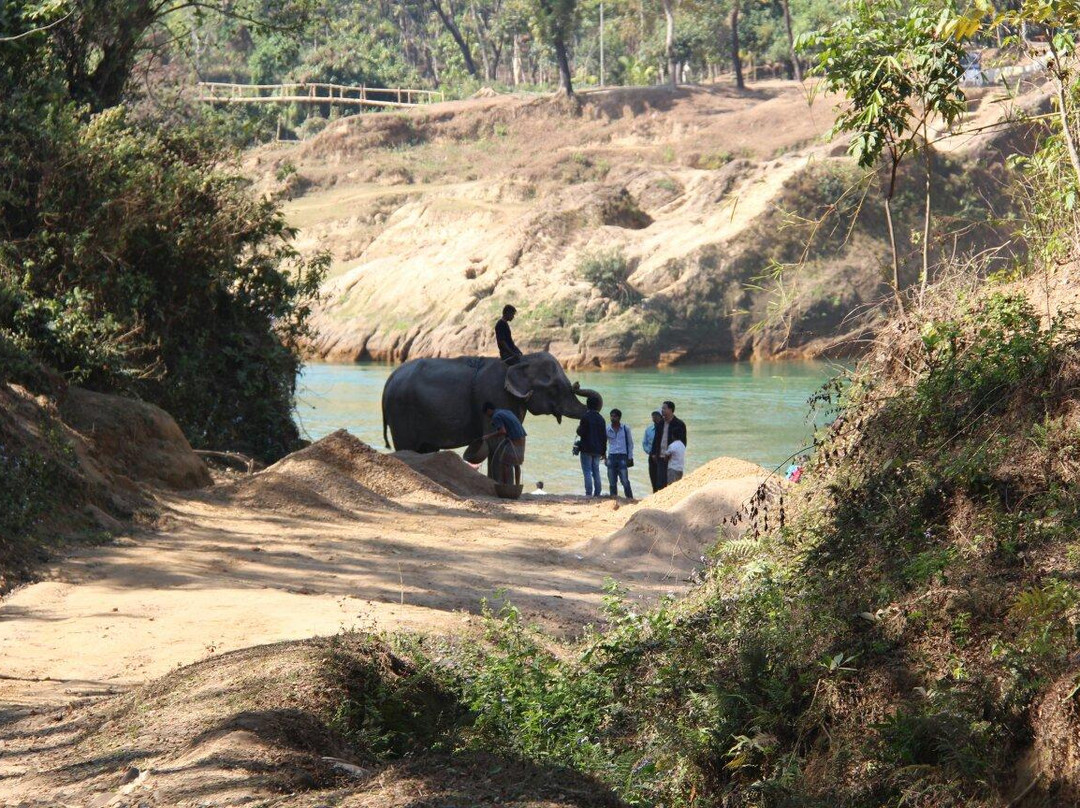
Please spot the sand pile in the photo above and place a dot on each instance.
(673, 528)
(334, 476)
(716, 470)
(450, 471)
(134, 439)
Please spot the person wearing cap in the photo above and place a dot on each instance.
(646, 446)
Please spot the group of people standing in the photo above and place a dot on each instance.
(598, 441)
(664, 443)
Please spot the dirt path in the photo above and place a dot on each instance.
(221, 578)
(332, 538)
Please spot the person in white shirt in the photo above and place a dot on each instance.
(620, 455)
(539, 489)
(676, 460)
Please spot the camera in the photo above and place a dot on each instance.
(577, 448)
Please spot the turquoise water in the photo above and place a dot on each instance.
(756, 411)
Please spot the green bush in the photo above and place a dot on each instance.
(142, 264)
(384, 705)
(608, 271)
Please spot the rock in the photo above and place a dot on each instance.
(349, 768)
(137, 440)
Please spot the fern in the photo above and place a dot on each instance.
(739, 549)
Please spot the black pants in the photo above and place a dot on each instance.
(657, 472)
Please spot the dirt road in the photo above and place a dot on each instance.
(334, 538)
(220, 578)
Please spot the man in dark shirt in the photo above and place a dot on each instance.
(508, 351)
(508, 425)
(669, 430)
(593, 433)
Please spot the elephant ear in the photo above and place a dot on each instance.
(517, 381)
(533, 372)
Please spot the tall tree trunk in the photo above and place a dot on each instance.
(669, 41)
(641, 25)
(515, 62)
(925, 279)
(736, 60)
(563, 59)
(892, 232)
(1067, 132)
(455, 32)
(480, 39)
(796, 68)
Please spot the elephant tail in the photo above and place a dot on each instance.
(385, 439)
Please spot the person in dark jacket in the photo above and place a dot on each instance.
(646, 446)
(508, 351)
(668, 431)
(593, 446)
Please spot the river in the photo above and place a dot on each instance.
(755, 411)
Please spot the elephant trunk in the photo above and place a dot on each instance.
(586, 393)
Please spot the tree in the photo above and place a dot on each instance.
(899, 65)
(556, 22)
(669, 42)
(448, 21)
(1062, 21)
(736, 59)
(98, 43)
(132, 259)
(796, 69)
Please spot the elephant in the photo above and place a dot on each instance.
(432, 404)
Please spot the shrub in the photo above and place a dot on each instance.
(608, 271)
(142, 265)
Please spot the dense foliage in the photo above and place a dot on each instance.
(132, 259)
(456, 46)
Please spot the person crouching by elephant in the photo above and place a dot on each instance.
(593, 433)
(620, 455)
(507, 425)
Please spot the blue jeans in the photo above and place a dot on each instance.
(616, 471)
(590, 467)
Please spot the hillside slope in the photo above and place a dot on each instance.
(632, 230)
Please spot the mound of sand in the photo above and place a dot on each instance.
(450, 471)
(334, 476)
(717, 470)
(262, 726)
(673, 528)
(137, 440)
